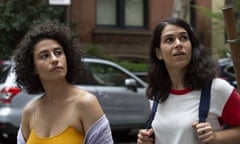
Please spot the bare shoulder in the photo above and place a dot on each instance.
(87, 101)
(89, 108)
(26, 118)
(84, 96)
(28, 109)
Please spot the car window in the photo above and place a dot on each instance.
(107, 75)
(102, 74)
(230, 70)
(4, 70)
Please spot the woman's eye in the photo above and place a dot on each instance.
(169, 40)
(183, 38)
(58, 52)
(44, 56)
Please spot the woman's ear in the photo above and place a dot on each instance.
(158, 53)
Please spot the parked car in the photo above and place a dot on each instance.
(120, 93)
(226, 70)
(141, 75)
(5, 77)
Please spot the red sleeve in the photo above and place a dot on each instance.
(231, 111)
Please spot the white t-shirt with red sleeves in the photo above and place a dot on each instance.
(174, 118)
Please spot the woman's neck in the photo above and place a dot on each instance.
(177, 79)
(57, 91)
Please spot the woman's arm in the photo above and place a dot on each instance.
(24, 130)
(99, 132)
(231, 136)
(95, 123)
(207, 135)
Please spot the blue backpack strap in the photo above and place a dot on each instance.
(204, 103)
(153, 111)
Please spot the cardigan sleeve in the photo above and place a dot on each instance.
(20, 139)
(99, 133)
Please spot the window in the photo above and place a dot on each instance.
(230, 70)
(121, 13)
(106, 12)
(134, 13)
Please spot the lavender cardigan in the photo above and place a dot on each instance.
(98, 133)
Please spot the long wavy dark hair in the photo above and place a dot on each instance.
(23, 55)
(200, 71)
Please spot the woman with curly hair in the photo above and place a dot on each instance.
(48, 61)
(179, 68)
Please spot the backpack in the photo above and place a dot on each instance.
(203, 106)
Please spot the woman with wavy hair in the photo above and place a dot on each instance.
(179, 68)
(48, 61)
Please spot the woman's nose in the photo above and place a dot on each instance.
(178, 43)
(54, 58)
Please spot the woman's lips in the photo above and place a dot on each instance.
(179, 54)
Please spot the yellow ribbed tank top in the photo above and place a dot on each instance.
(68, 136)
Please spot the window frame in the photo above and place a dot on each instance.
(120, 17)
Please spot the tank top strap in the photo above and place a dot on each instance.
(73, 109)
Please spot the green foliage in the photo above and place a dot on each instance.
(96, 51)
(17, 16)
(218, 23)
(133, 66)
(217, 16)
(236, 7)
(206, 12)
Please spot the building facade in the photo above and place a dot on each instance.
(123, 28)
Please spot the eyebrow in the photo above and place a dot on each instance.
(181, 33)
(46, 51)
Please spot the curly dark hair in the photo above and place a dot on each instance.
(26, 77)
(200, 71)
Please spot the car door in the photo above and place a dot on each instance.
(124, 106)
